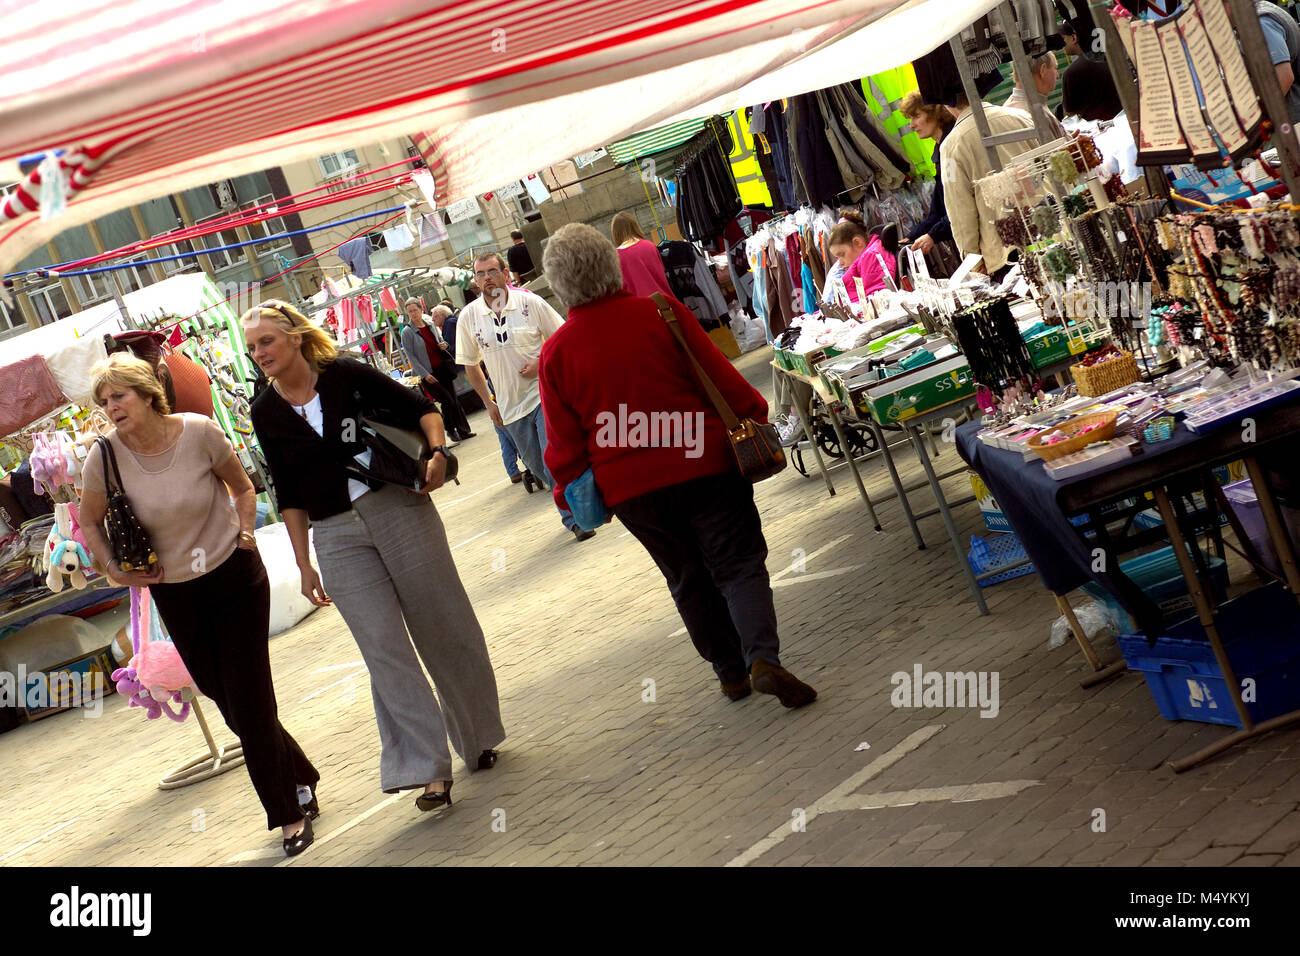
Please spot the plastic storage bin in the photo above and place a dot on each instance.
(1002, 553)
(1241, 495)
(1159, 576)
(1261, 634)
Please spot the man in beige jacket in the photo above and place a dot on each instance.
(965, 161)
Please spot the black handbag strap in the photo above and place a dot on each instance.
(109, 458)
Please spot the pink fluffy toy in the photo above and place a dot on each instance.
(155, 677)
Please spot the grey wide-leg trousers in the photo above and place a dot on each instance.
(388, 567)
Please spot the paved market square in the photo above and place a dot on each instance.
(622, 751)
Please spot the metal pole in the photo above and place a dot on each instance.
(1122, 74)
(1254, 51)
(1024, 71)
(973, 100)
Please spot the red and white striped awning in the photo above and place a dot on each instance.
(146, 97)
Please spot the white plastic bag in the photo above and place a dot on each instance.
(288, 606)
(1092, 617)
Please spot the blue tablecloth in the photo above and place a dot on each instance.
(1028, 496)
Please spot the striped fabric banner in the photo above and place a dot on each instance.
(150, 97)
(655, 140)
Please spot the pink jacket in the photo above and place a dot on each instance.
(867, 268)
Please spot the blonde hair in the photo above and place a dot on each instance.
(316, 345)
(121, 370)
(624, 227)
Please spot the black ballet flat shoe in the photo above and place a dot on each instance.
(305, 838)
(432, 801)
(487, 759)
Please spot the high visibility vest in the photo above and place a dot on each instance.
(884, 91)
(744, 165)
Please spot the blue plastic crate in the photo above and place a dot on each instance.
(1261, 635)
(992, 553)
(1160, 578)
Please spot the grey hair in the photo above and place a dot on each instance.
(1036, 63)
(440, 310)
(581, 264)
(485, 256)
(412, 301)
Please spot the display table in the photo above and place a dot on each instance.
(1039, 509)
(51, 602)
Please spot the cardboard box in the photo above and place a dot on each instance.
(71, 684)
(913, 393)
(993, 516)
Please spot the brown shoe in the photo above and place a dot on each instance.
(768, 678)
(736, 690)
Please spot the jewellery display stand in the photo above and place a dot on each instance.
(214, 763)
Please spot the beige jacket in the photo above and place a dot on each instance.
(965, 161)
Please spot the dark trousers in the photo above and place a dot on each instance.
(707, 538)
(443, 391)
(219, 623)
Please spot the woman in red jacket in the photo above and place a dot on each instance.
(620, 398)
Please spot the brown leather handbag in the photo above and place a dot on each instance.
(756, 446)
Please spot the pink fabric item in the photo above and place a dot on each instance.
(366, 308)
(643, 270)
(389, 301)
(867, 267)
(28, 391)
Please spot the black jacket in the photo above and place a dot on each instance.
(308, 470)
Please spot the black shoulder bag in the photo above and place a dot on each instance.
(132, 549)
(398, 456)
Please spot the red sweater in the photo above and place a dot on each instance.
(615, 383)
(643, 269)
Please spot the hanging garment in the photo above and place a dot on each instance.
(356, 253)
(707, 198)
(780, 291)
(812, 154)
(809, 290)
(389, 301)
(939, 82)
(855, 171)
(679, 259)
(745, 168)
(767, 165)
(398, 238)
(366, 308)
(432, 230)
(866, 133)
(768, 123)
(811, 258)
(792, 257)
(758, 298)
(706, 280)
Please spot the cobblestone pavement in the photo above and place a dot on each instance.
(603, 766)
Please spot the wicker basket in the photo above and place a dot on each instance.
(1074, 443)
(1107, 376)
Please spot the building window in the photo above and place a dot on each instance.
(336, 164)
(267, 228)
(50, 303)
(94, 288)
(10, 318)
(175, 265)
(136, 277)
(222, 259)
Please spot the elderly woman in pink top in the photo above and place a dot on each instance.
(638, 257)
(860, 254)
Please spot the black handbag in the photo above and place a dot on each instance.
(132, 549)
(398, 456)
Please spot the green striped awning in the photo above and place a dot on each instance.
(655, 140)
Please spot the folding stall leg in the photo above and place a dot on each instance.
(853, 465)
(1248, 548)
(919, 445)
(899, 490)
(806, 415)
(1100, 673)
(1276, 529)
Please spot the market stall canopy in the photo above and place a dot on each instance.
(146, 97)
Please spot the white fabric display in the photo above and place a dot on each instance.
(71, 363)
(398, 238)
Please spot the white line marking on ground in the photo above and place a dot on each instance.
(444, 505)
(814, 576)
(875, 768)
(808, 557)
(468, 540)
(339, 667)
(967, 793)
(777, 581)
(47, 833)
(341, 680)
(321, 841)
(249, 855)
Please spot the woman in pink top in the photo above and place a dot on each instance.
(638, 257)
(860, 253)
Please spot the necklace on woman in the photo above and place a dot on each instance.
(301, 409)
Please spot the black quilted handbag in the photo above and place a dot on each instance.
(132, 549)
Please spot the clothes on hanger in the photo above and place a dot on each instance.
(707, 197)
(356, 253)
(690, 276)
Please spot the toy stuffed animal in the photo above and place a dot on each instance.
(156, 676)
(64, 555)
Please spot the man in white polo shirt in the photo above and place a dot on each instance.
(504, 328)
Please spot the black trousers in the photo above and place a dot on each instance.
(443, 391)
(707, 538)
(219, 623)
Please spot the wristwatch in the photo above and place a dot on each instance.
(446, 452)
